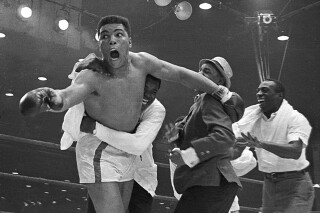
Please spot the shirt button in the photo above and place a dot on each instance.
(208, 152)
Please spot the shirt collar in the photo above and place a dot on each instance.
(274, 114)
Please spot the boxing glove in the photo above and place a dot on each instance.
(94, 64)
(223, 94)
(40, 100)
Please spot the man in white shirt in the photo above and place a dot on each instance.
(280, 137)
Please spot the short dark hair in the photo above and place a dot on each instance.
(279, 87)
(114, 19)
(151, 77)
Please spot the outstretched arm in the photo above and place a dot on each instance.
(291, 150)
(47, 99)
(171, 72)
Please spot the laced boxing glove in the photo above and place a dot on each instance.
(40, 100)
(223, 94)
(232, 103)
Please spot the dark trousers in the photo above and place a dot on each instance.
(208, 199)
(140, 202)
(90, 207)
(287, 193)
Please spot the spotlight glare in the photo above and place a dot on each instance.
(41, 78)
(9, 94)
(26, 12)
(96, 37)
(2, 35)
(283, 38)
(205, 6)
(63, 24)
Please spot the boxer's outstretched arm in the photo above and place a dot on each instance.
(170, 72)
(47, 99)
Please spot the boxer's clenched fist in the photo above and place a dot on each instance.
(40, 100)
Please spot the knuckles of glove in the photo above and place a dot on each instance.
(39, 100)
(28, 105)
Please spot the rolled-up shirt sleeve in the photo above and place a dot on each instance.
(151, 122)
(299, 128)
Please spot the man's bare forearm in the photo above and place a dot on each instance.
(289, 151)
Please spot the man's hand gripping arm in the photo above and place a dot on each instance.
(137, 143)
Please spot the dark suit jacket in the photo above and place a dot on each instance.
(207, 128)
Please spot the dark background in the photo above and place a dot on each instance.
(34, 48)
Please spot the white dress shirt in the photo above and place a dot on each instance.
(283, 126)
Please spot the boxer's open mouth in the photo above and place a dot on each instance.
(114, 54)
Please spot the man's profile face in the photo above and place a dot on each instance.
(150, 91)
(114, 44)
(209, 71)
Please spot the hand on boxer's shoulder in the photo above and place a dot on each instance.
(95, 64)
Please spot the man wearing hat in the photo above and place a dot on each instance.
(204, 174)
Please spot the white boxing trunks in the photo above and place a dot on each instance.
(97, 161)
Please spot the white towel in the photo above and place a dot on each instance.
(73, 117)
(71, 126)
(245, 163)
(253, 113)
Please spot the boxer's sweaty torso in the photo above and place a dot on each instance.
(116, 102)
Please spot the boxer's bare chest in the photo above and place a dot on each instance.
(117, 102)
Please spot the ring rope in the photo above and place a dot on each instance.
(6, 138)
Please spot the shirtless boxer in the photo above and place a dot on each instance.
(113, 97)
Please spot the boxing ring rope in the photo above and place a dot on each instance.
(50, 145)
